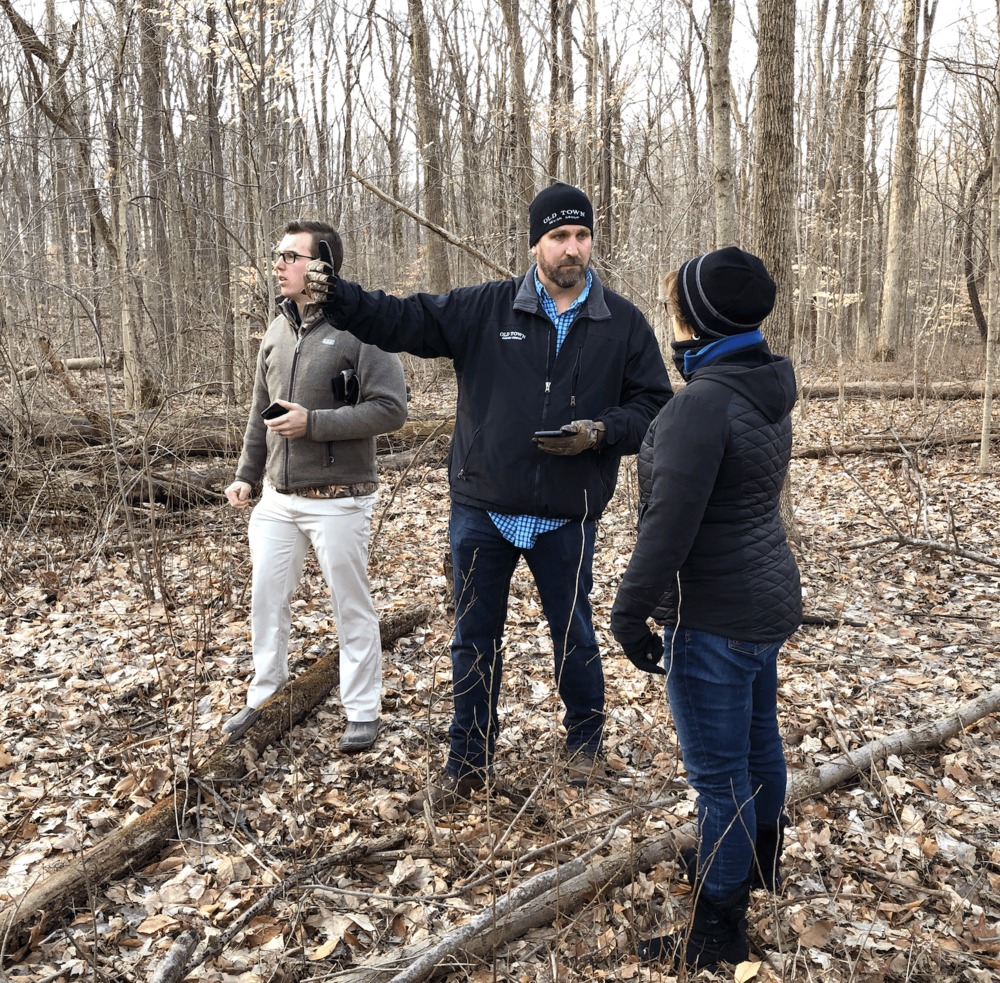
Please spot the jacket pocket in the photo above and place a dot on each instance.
(468, 454)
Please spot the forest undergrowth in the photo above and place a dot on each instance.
(119, 668)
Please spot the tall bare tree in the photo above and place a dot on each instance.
(429, 134)
(903, 200)
(726, 218)
(774, 159)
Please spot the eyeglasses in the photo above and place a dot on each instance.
(288, 256)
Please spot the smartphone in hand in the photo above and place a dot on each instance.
(273, 411)
(553, 433)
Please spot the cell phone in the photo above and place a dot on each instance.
(273, 411)
(553, 433)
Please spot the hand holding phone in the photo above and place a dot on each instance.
(572, 438)
(273, 411)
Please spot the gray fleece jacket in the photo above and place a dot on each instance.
(298, 362)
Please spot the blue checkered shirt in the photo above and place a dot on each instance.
(523, 530)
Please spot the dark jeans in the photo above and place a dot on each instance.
(561, 561)
(723, 696)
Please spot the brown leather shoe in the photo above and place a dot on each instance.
(585, 767)
(444, 794)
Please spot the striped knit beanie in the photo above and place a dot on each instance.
(724, 292)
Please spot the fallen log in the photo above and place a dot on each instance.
(188, 435)
(528, 906)
(114, 363)
(896, 390)
(885, 446)
(96, 418)
(134, 846)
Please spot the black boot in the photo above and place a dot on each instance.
(687, 865)
(764, 869)
(718, 934)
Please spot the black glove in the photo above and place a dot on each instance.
(646, 653)
(576, 437)
(320, 278)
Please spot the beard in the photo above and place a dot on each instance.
(566, 275)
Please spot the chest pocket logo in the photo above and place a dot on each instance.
(329, 341)
(512, 336)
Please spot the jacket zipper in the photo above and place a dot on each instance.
(291, 390)
(576, 374)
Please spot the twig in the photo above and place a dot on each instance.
(428, 224)
(207, 949)
(927, 544)
(399, 481)
(173, 963)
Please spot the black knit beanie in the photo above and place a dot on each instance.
(725, 292)
(559, 204)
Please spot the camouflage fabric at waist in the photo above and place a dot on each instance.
(336, 491)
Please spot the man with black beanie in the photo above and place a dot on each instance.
(558, 377)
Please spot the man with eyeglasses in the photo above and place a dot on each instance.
(558, 377)
(320, 398)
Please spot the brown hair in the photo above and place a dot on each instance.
(319, 231)
(671, 298)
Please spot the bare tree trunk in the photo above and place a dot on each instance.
(775, 188)
(555, 92)
(994, 247)
(429, 132)
(774, 163)
(572, 175)
(903, 199)
(157, 287)
(726, 219)
(220, 242)
(524, 179)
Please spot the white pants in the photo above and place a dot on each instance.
(281, 529)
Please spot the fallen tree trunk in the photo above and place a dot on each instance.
(188, 435)
(808, 784)
(526, 907)
(896, 390)
(134, 846)
(114, 363)
(885, 446)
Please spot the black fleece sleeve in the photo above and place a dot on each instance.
(691, 436)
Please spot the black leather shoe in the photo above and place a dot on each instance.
(360, 735)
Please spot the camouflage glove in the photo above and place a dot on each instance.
(320, 277)
(578, 436)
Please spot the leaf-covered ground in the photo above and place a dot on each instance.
(111, 689)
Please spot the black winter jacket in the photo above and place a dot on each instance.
(512, 384)
(711, 471)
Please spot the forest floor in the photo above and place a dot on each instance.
(109, 691)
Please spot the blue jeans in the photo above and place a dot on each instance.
(561, 561)
(723, 696)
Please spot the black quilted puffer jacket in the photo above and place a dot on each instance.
(710, 470)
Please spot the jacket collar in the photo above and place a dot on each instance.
(595, 307)
(300, 325)
(694, 360)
